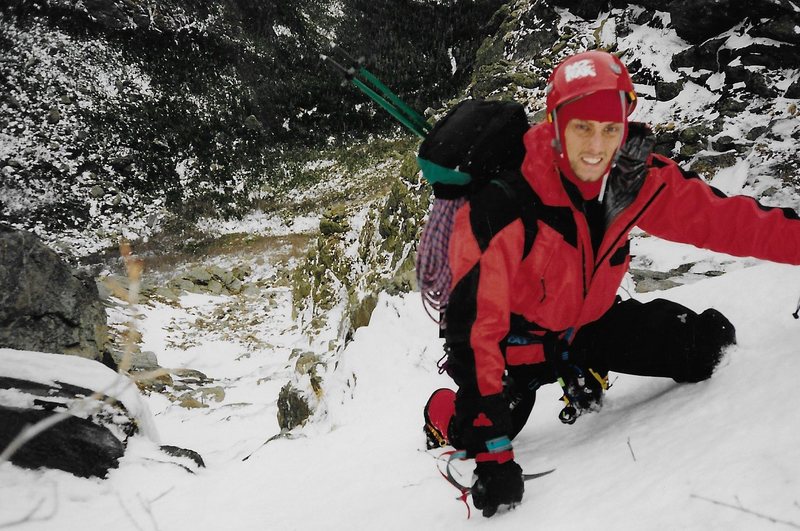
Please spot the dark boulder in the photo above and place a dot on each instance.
(730, 105)
(293, 408)
(753, 81)
(780, 29)
(74, 445)
(698, 20)
(772, 57)
(701, 56)
(793, 91)
(665, 143)
(45, 305)
(93, 428)
(756, 132)
(666, 90)
(724, 143)
(586, 9)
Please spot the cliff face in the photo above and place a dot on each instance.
(136, 117)
(128, 115)
(719, 83)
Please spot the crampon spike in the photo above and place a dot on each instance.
(447, 474)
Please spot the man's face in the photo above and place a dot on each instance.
(590, 146)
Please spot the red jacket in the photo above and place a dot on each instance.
(562, 283)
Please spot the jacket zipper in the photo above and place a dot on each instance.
(582, 237)
(629, 226)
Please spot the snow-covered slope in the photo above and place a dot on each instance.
(722, 454)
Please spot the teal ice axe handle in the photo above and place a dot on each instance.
(418, 120)
(391, 109)
(362, 78)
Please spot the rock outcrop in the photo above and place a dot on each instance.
(74, 445)
(45, 305)
(147, 115)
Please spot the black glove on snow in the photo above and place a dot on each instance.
(496, 484)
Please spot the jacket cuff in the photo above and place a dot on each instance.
(499, 458)
(499, 450)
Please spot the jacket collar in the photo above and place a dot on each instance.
(540, 167)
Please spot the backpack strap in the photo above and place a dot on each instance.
(526, 203)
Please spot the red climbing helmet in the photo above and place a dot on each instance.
(584, 73)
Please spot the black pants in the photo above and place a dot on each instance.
(659, 338)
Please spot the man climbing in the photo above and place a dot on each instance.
(518, 318)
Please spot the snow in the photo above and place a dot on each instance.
(453, 63)
(654, 254)
(731, 180)
(282, 31)
(657, 456)
(737, 40)
(716, 81)
(660, 455)
(608, 32)
(691, 102)
(654, 48)
(49, 369)
(262, 223)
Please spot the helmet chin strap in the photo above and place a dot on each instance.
(603, 187)
(557, 146)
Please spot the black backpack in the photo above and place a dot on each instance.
(476, 144)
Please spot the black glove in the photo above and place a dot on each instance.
(632, 158)
(496, 484)
(629, 169)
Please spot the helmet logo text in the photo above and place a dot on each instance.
(579, 69)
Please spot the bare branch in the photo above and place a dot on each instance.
(148, 509)
(29, 432)
(631, 449)
(282, 435)
(30, 516)
(138, 376)
(128, 513)
(27, 518)
(748, 511)
(162, 495)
